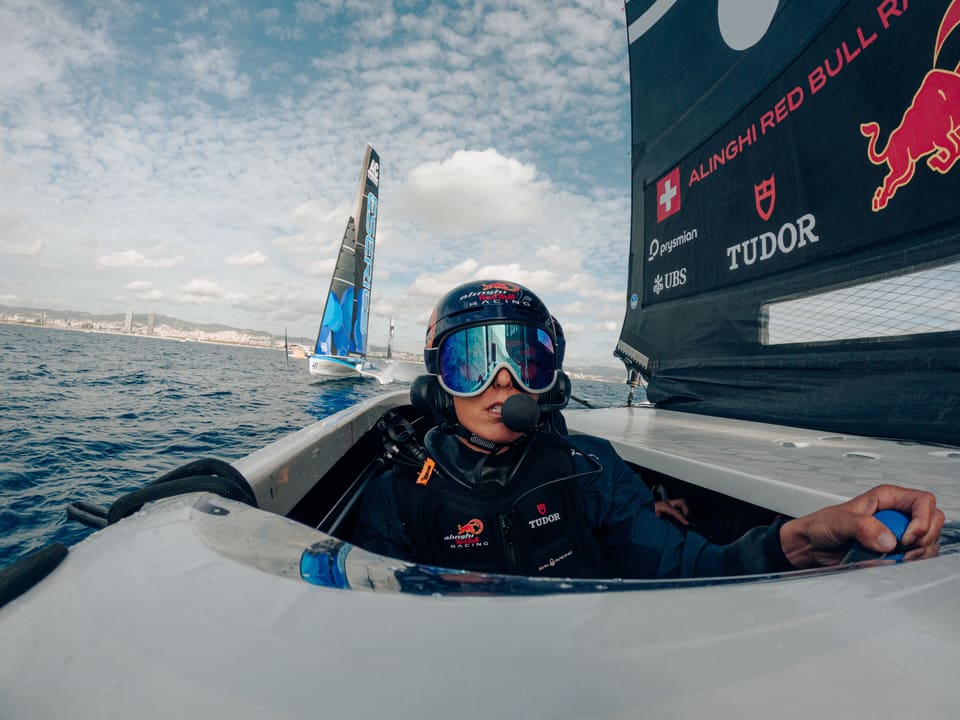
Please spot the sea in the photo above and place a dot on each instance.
(91, 416)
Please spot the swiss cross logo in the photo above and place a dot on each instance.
(668, 194)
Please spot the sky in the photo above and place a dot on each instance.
(200, 160)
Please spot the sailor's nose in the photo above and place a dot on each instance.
(503, 378)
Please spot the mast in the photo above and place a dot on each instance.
(390, 340)
(365, 239)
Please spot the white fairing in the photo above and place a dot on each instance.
(195, 607)
(149, 620)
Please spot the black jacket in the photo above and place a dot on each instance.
(617, 507)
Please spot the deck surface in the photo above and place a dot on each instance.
(790, 470)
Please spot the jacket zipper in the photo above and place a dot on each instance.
(509, 546)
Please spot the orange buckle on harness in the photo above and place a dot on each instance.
(426, 471)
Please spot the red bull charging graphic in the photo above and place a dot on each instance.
(928, 128)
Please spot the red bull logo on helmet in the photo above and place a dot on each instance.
(506, 287)
(499, 292)
(493, 292)
(928, 129)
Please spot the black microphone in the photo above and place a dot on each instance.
(520, 413)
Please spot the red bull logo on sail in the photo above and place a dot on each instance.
(928, 129)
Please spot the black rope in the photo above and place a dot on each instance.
(130, 503)
(204, 475)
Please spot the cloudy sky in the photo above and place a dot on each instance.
(201, 159)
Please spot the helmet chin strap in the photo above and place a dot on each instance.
(489, 445)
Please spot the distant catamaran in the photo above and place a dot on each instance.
(341, 346)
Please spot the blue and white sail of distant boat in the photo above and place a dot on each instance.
(341, 347)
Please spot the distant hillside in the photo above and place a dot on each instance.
(139, 319)
(615, 373)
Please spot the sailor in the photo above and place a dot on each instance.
(500, 486)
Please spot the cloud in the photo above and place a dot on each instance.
(536, 280)
(254, 258)
(435, 285)
(39, 47)
(562, 258)
(200, 291)
(322, 268)
(9, 246)
(144, 290)
(136, 259)
(17, 237)
(213, 70)
(473, 191)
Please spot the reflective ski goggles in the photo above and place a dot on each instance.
(469, 359)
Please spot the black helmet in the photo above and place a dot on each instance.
(478, 303)
(482, 302)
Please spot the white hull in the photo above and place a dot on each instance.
(336, 367)
(195, 606)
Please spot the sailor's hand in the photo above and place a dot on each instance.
(823, 537)
(676, 509)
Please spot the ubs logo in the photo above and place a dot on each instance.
(667, 281)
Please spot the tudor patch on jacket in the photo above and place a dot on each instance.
(544, 518)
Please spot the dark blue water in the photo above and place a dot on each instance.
(87, 416)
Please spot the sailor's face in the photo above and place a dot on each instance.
(481, 414)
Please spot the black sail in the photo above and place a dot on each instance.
(794, 252)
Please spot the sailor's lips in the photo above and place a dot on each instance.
(495, 409)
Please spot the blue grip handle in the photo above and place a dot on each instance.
(896, 523)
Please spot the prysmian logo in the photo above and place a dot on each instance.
(660, 249)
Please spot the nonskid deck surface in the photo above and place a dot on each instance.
(790, 470)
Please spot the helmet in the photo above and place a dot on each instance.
(475, 305)
(488, 324)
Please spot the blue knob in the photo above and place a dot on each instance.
(896, 522)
